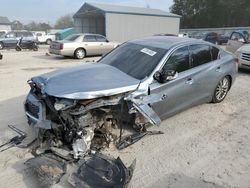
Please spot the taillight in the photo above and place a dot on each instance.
(61, 46)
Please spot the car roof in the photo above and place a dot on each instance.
(165, 42)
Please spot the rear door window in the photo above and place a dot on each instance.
(100, 38)
(200, 54)
(179, 60)
(89, 38)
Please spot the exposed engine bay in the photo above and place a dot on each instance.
(73, 129)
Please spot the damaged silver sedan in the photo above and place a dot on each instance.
(140, 83)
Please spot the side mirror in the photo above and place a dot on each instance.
(165, 76)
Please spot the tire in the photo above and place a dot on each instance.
(35, 48)
(1, 46)
(221, 90)
(18, 48)
(80, 53)
(48, 41)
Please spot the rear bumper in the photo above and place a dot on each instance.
(61, 52)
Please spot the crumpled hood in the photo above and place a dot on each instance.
(86, 81)
(245, 48)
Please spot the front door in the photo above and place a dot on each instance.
(179, 93)
(10, 40)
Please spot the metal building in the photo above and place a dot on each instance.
(122, 23)
(5, 24)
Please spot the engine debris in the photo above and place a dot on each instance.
(15, 141)
(131, 139)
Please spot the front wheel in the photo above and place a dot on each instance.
(80, 53)
(221, 90)
(18, 48)
(35, 48)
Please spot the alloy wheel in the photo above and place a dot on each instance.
(222, 89)
(80, 54)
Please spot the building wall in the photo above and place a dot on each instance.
(5, 28)
(123, 27)
(90, 25)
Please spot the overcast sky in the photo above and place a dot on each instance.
(49, 10)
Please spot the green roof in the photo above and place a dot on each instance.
(4, 20)
(108, 8)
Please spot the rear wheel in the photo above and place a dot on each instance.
(80, 53)
(221, 90)
(1, 45)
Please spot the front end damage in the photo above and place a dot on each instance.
(72, 129)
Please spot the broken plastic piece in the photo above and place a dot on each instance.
(131, 139)
(101, 171)
(46, 168)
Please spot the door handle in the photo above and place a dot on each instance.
(218, 69)
(189, 81)
(164, 96)
(101, 44)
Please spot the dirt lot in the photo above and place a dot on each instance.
(206, 146)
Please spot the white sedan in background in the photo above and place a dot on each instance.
(82, 45)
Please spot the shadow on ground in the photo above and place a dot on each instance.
(181, 180)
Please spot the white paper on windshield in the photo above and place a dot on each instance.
(148, 52)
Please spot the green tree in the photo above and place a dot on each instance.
(212, 13)
(64, 22)
(33, 26)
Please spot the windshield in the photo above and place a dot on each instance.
(72, 37)
(135, 60)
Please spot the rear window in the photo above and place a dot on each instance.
(100, 38)
(72, 37)
(89, 38)
(200, 54)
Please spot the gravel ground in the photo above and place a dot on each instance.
(205, 146)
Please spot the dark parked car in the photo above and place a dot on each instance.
(223, 38)
(10, 39)
(211, 37)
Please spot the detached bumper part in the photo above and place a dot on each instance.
(101, 171)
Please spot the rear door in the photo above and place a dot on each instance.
(91, 45)
(105, 45)
(176, 94)
(206, 70)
